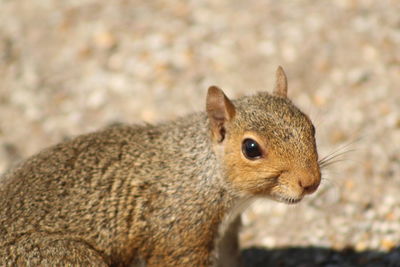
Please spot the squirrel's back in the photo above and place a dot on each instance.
(100, 187)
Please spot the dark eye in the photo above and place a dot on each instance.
(251, 149)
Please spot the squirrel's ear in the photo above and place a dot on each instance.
(280, 83)
(219, 110)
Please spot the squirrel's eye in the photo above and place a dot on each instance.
(251, 149)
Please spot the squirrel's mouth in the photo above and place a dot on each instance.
(287, 200)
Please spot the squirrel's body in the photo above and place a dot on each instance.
(79, 175)
(155, 194)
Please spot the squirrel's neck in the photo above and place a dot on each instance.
(195, 176)
(190, 151)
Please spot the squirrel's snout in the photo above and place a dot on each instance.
(310, 184)
(309, 189)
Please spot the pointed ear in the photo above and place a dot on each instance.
(280, 83)
(220, 110)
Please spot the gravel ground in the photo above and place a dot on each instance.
(70, 67)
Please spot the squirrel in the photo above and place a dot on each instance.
(159, 195)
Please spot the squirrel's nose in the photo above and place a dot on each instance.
(309, 185)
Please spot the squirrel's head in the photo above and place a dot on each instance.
(265, 143)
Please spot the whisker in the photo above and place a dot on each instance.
(330, 162)
(336, 155)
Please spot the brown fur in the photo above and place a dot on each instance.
(159, 194)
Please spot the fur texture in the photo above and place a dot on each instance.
(156, 194)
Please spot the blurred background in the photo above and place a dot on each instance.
(70, 67)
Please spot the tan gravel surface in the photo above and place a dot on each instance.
(70, 67)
